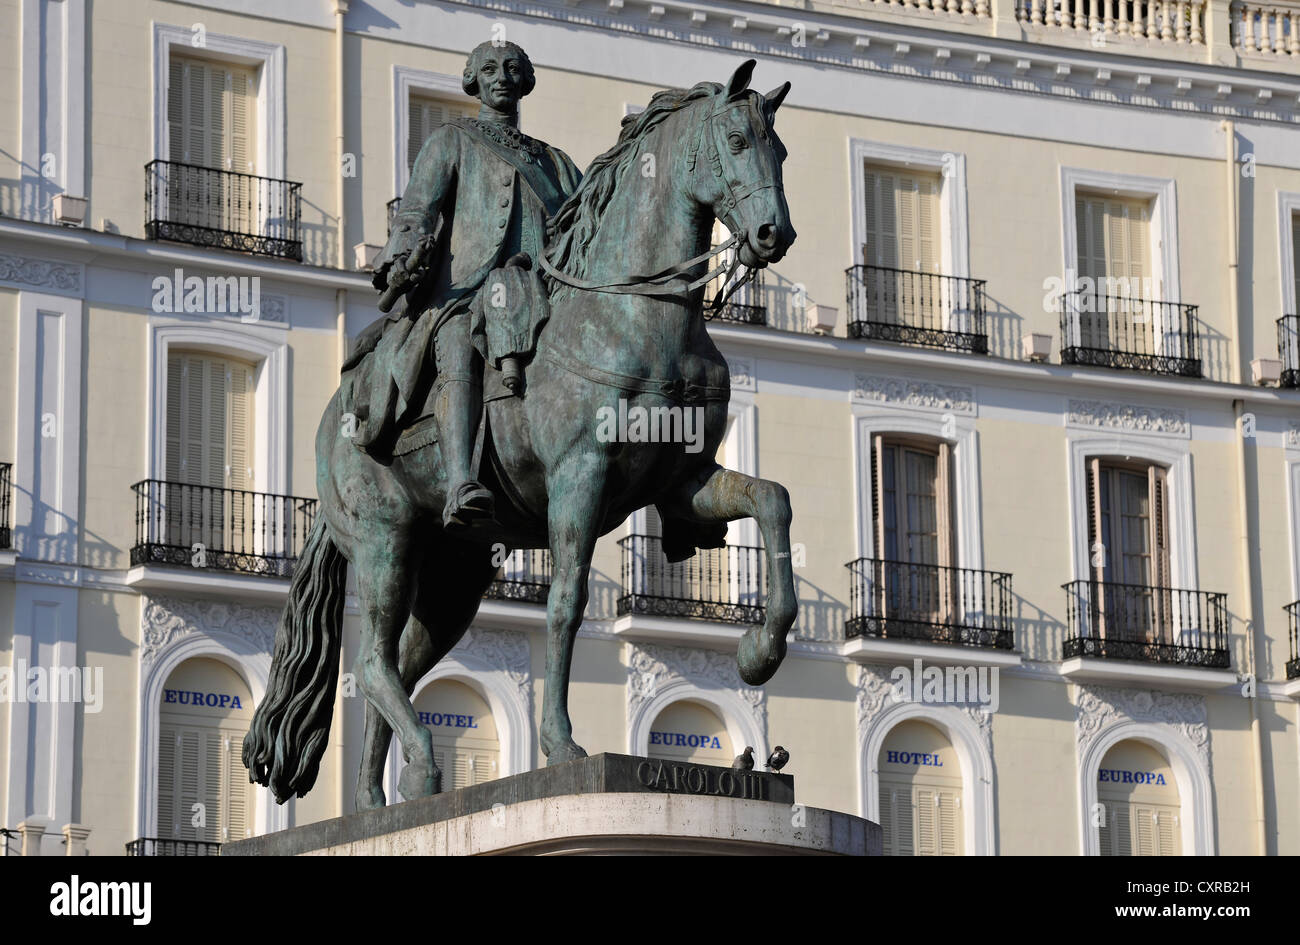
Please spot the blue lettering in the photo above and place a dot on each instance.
(891, 757)
(472, 723)
(1128, 777)
(716, 743)
(1160, 779)
(169, 695)
(211, 700)
(681, 739)
(184, 697)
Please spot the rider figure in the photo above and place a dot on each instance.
(480, 192)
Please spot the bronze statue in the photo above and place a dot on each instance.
(619, 317)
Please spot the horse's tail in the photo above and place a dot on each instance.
(288, 736)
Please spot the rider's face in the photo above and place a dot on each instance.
(500, 79)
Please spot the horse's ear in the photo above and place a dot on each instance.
(740, 78)
(775, 97)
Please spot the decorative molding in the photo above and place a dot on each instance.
(1176, 724)
(273, 308)
(1133, 418)
(405, 80)
(742, 375)
(506, 651)
(868, 388)
(1097, 708)
(658, 676)
(163, 620)
(969, 730)
(51, 275)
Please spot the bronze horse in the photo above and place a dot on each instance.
(646, 205)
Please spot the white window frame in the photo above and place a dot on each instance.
(954, 222)
(406, 81)
(736, 715)
(270, 357)
(267, 59)
(1162, 193)
(1175, 456)
(1288, 205)
(958, 431)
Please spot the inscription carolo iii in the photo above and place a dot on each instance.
(695, 779)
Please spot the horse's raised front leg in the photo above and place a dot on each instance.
(723, 495)
(575, 492)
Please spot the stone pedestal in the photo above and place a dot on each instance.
(603, 804)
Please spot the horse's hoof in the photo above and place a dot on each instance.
(568, 751)
(759, 655)
(370, 798)
(419, 780)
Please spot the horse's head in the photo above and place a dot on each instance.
(736, 156)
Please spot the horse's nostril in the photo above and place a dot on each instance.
(766, 236)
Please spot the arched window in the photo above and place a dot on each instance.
(1141, 812)
(203, 788)
(691, 731)
(921, 804)
(465, 744)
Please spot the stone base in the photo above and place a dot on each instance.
(605, 804)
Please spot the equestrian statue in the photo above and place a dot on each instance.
(522, 300)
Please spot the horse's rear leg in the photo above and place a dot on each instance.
(576, 491)
(723, 495)
(385, 579)
(450, 589)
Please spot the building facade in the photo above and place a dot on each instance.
(1029, 373)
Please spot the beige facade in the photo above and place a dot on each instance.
(1024, 144)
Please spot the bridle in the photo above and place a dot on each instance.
(668, 282)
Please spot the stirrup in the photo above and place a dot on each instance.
(469, 502)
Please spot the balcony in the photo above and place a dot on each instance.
(916, 308)
(525, 577)
(711, 598)
(6, 489)
(223, 209)
(898, 600)
(202, 528)
(1288, 349)
(1293, 631)
(1176, 630)
(151, 846)
(1133, 334)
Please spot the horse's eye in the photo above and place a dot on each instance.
(737, 141)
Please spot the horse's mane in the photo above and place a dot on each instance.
(569, 233)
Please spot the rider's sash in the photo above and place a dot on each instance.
(544, 187)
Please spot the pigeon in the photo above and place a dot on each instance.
(744, 761)
(777, 760)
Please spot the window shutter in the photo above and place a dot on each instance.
(887, 819)
(927, 806)
(1091, 238)
(1095, 529)
(416, 132)
(904, 825)
(1160, 575)
(1144, 829)
(235, 821)
(944, 506)
(1122, 825)
(175, 109)
(242, 97)
(175, 371)
(1167, 832)
(1105, 832)
(168, 745)
(948, 818)
(218, 123)
(196, 113)
(485, 766)
(216, 465)
(240, 427)
(877, 495)
(905, 199)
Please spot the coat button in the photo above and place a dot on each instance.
(505, 181)
(505, 201)
(501, 224)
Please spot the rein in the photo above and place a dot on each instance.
(667, 282)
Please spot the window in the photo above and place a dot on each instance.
(204, 716)
(920, 793)
(209, 420)
(1295, 262)
(1114, 244)
(210, 114)
(1128, 538)
(1142, 812)
(426, 114)
(902, 219)
(465, 745)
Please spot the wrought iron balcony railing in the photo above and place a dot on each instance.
(225, 209)
(1293, 631)
(392, 212)
(151, 846)
(6, 487)
(1288, 347)
(221, 529)
(1130, 334)
(1151, 624)
(901, 600)
(724, 584)
(525, 577)
(917, 308)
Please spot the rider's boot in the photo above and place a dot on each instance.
(458, 404)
